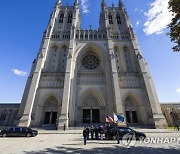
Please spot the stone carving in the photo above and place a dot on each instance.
(90, 62)
(130, 81)
(91, 102)
(91, 79)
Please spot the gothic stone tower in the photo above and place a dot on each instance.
(81, 76)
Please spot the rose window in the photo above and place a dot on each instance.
(90, 62)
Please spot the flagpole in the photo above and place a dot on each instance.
(117, 134)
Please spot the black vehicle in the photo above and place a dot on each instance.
(19, 131)
(111, 133)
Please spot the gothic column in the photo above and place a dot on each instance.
(64, 117)
(115, 77)
(25, 120)
(158, 118)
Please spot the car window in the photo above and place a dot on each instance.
(11, 129)
(121, 130)
(17, 129)
(23, 129)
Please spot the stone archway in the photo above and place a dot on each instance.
(91, 107)
(3, 117)
(132, 112)
(50, 111)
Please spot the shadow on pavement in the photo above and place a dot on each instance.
(106, 150)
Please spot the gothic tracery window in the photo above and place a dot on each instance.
(61, 18)
(70, 18)
(3, 116)
(90, 62)
(118, 19)
(110, 19)
(55, 48)
(64, 58)
(127, 59)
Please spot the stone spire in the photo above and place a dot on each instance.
(103, 4)
(121, 4)
(76, 2)
(59, 2)
(112, 5)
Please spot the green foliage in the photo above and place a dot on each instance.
(174, 34)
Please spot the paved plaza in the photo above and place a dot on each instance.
(71, 141)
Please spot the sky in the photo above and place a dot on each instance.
(24, 21)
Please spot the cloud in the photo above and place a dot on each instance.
(135, 9)
(178, 90)
(85, 5)
(137, 23)
(18, 72)
(158, 17)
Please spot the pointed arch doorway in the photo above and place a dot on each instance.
(91, 107)
(91, 111)
(91, 115)
(50, 112)
(132, 111)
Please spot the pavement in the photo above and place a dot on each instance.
(71, 142)
(79, 131)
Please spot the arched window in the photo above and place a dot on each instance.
(110, 19)
(118, 19)
(70, 18)
(54, 57)
(127, 60)
(117, 57)
(64, 58)
(3, 116)
(61, 18)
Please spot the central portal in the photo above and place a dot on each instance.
(91, 116)
(50, 118)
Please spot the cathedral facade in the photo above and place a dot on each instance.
(80, 76)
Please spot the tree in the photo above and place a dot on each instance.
(174, 34)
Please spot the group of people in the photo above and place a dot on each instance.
(94, 131)
(176, 126)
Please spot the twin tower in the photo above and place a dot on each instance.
(80, 76)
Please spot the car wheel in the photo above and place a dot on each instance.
(28, 135)
(4, 135)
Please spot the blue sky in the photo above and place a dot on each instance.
(24, 21)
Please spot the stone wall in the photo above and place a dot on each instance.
(8, 113)
(171, 111)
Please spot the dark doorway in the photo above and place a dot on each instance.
(128, 117)
(91, 116)
(54, 118)
(50, 118)
(86, 115)
(47, 117)
(134, 116)
(95, 116)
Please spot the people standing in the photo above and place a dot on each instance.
(101, 131)
(87, 128)
(176, 126)
(85, 135)
(64, 127)
(92, 132)
(96, 132)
